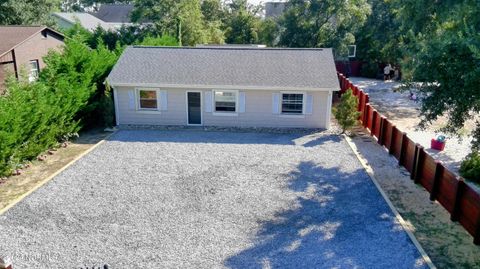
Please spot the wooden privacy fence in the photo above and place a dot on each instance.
(458, 198)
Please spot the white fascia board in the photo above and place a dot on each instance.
(233, 87)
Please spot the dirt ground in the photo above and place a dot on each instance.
(446, 242)
(15, 186)
(404, 113)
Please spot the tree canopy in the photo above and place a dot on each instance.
(322, 23)
(27, 12)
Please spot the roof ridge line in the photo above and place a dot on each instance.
(226, 48)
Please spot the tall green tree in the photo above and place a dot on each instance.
(268, 32)
(443, 60)
(28, 12)
(322, 23)
(242, 23)
(379, 39)
(183, 19)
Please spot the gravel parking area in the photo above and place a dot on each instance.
(194, 199)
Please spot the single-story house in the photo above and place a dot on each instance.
(224, 86)
(23, 47)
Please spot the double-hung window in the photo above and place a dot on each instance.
(225, 101)
(292, 103)
(34, 70)
(147, 99)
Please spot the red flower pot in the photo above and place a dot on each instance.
(438, 145)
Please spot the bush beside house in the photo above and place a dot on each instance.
(346, 112)
(69, 94)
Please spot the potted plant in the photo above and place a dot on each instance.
(438, 143)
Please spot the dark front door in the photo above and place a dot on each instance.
(194, 108)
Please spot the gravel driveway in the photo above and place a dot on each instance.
(194, 199)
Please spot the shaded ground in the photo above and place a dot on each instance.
(402, 111)
(209, 200)
(15, 186)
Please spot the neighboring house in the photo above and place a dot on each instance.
(66, 20)
(116, 13)
(274, 9)
(242, 87)
(23, 47)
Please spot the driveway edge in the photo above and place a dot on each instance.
(402, 222)
(47, 179)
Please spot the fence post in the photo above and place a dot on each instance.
(374, 121)
(366, 104)
(365, 116)
(419, 165)
(403, 148)
(381, 135)
(458, 197)
(392, 139)
(360, 100)
(361, 106)
(415, 162)
(436, 180)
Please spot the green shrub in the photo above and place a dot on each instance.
(346, 112)
(470, 167)
(70, 93)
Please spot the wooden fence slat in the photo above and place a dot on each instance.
(420, 164)
(393, 139)
(436, 180)
(476, 237)
(365, 116)
(403, 148)
(414, 161)
(458, 197)
(383, 122)
(374, 121)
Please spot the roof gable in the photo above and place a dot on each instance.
(226, 67)
(12, 36)
(87, 20)
(114, 13)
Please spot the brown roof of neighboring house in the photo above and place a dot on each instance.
(13, 36)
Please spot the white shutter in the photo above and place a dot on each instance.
(163, 100)
(208, 101)
(241, 102)
(276, 103)
(309, 104)
(131, 99)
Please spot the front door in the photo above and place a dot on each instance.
(194, 110)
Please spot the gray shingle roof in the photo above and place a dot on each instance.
(229, 67)
(114, 12)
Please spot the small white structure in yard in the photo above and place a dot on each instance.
(224, 86)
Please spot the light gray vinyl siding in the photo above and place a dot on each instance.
(258, 111)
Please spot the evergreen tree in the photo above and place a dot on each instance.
(346, 112)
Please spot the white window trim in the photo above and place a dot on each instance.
(146, 110)
(288, 115)
(224, 113)
(201, 107)
(37, 70)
